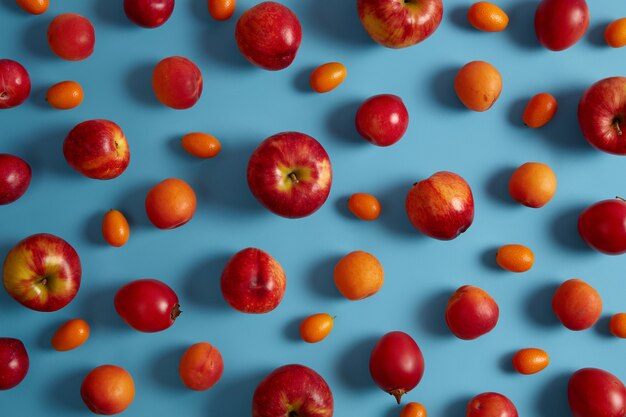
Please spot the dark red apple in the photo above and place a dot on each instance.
(15, 176)
(13, 362)
(269, 35)
(97, 149)
(559, 24)
(382, 120)
(253, 281)
(441, 206)
(14, 84)
(42, 272)
(602, 115)
(603, 226)
(290, 174)
(400, 23)
(593, 392)
(471, 312)
(490, 404)
(293, 391)
(148, 13)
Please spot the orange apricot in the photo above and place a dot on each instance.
(358, 275)
(70, 335)
(201, 366)
(515, 258)
(115, 228)
(540, 110)
(327, 77)
(577, 304)
(533, 184)
(65, 95)
(413, 410)
(487, 17)
(530, 361)
(108, 389)
(201, 145)
(170, 204)
(364, 206)
(315, 328)
(617, 325)
(34, 6)
(478, 85)
(222, 9)
(615, 33)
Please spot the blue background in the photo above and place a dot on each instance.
(241, 105)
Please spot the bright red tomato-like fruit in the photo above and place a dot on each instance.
(396, 364)
(382, 120)
(490, 404)
(471, 313)
(147, 305)
(13, 362)
(14, 84)
(177, 82)
(559, 24)
(71, 37)
(603, 226)
(593, 392)
(148, 13)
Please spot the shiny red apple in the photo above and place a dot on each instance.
(382, 120)
(148, 13)
(602, 115)
(14, 362)
(559, 24)
(15, 176)
(471, 312)
(490, 404)
(293, 390)
(441, 206)
(269, 35)
(97, 149)
(593, 392)
(603, 226)
(177, 82)
(400, 23)
(71, 37)
(42, 272)
(290, 174)
(14, 84)
(253, 281)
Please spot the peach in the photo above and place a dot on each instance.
(108, 390)
(177, 82)
(71, 36)
(577, 304)
(471, 313)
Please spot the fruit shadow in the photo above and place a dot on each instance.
(292, 329)
(139, 84)
(602, 327)
(217, 39)
(539, 305)
(175, 146)
(132, 205)
(201, 285)
(458, 16)
(45, 151)
(552, 400)
(12, 7)
(99, 311)
(165, 368)
(431, 313)
(7, 303)
(93, 229)
(44, 339)
(341, 204)
(505, 363)
(595, 35)
(488, 259)
(353, 364)
(498, 186)
(112, 14)
(457, 407)
(341, 122)
(34, 39)
(38, 98)
(393, 212)
(228, 394)
(442, 87)
(565, 230)
(321, 277)
(516, 113)
(338, 20)
(64, 393)
(521, 28)
(301, 81)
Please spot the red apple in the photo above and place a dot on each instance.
(293, 390)
(42, 272)
(603, 226)
(400, 23)
(490, 404)
(471, 313)
(253, 281)
(13, 362)
(441, 206)
(15, 175)
(382, 120)
(593, 392)
(71, 37)
(290, 174)
(269, 35)
(177, 82)
(602, 115)
(14, 84)
(559, 24)
(97, 149)
(148, 13)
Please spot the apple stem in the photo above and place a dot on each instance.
(616, 124)
(398, 393)
(620, 198)
(293, 177)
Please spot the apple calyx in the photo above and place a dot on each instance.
(293, 177)
(176, 311)
(398, 393)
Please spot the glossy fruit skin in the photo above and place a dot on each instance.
(65, 95)
(147, 305)
(413, 410)
(400, 24)
(35, 7)
(327, 77)
(70, 335)
(170, 203)
(471, 313)
(292, 389)
(559, 24)
(269, 35)
(533, 184)
(316, 328)
(603, 226)
(441, 206)
(201, 145)
(396, 364)
(253, 281)
(358, 275)
(540, 110)
(15, 176)
(615, 33)
(14, 362)
(490, 404)
(71, 37)
(148, 13)
(97, 149)
(42, 272)
(530, 361)
(221, 9)
(602, 115)
(115, 229)
(478, 85)
(290, 174)
(594, 392)
(201, 366)
(617, 325)
(364, 206)
(14, 84)
(108, 390)
(515, 258)
(382, 120)
(487, 17)
(177, 82)
(577, 304)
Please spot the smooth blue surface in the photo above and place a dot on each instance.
(241, 105)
